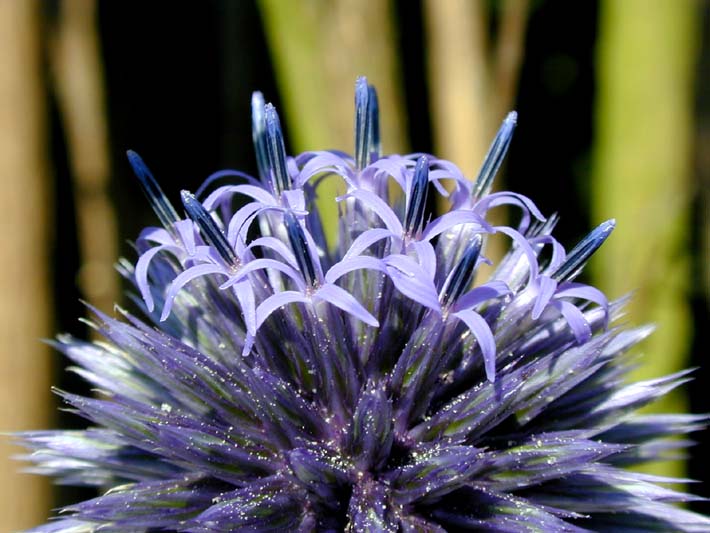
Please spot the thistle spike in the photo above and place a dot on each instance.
(494, 157)
(300, 247)
(276, 151)
(158, 201)
(579, 255)
(209, 229)
(462, 274)
(417, 197)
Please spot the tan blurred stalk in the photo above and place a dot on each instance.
(78, 80)
(473, 81)
(24, 276)
(642, 175)
(459, 80)
(319, 47)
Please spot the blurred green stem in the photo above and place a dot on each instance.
(642, 175)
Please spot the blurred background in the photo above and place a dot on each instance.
(614, 121)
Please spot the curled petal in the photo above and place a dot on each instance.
(141, 271)
(546, 288)
(277, 246)
(379, 207)
(259, 264)
(480, 294)
(156, 235)
(510, 198)
(351, 264)
(225, 193)
(525, 247)
(275, 301)
(412, 280)
(584, 292)
(454, 218)
(367, 238)
(576, 320)
(245, 294)
(342, 299)
(482, 331)
(183, 279)
(426, 256)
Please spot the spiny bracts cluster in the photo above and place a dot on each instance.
(370, 382)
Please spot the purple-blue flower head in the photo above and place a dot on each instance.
(392, 379)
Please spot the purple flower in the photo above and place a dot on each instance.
(371, 383)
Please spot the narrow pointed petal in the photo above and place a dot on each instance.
(417, 198)
(462, 276)
(280, 179)
(258, 132)
(211, 232)
(158, 201)
(363, 128)
(579, 255)
(150, 505)
(302, 250)
(494, 157)
(268, 505)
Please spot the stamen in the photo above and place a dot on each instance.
(297, 238)
(460, 278)
(211, 232)
(494, 157)
(417, 197)
(258, 133)
(579, 255)
(276, 151)
(158, 201)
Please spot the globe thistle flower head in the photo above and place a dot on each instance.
(377, 381)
